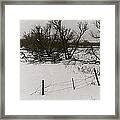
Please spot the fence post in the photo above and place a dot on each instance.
(42, 86)
(73, 83)
(96, 77)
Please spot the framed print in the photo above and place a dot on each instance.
(59, 59)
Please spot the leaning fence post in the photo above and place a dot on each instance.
(73, 83)
(42, 86)
(96, 77)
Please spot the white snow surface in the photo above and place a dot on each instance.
(58, 83)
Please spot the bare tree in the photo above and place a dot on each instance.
(82, 28)
(65, 35)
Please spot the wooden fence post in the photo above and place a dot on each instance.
(42, 87)
(96, 77)
(73, 83)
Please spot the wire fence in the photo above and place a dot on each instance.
(73, 84)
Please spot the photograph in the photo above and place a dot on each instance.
(60, 59)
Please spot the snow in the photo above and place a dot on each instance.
(58, 83)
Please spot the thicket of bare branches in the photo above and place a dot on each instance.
(56, 43)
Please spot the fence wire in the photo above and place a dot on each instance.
(79, 83)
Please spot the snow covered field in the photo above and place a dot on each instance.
(58, 83)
